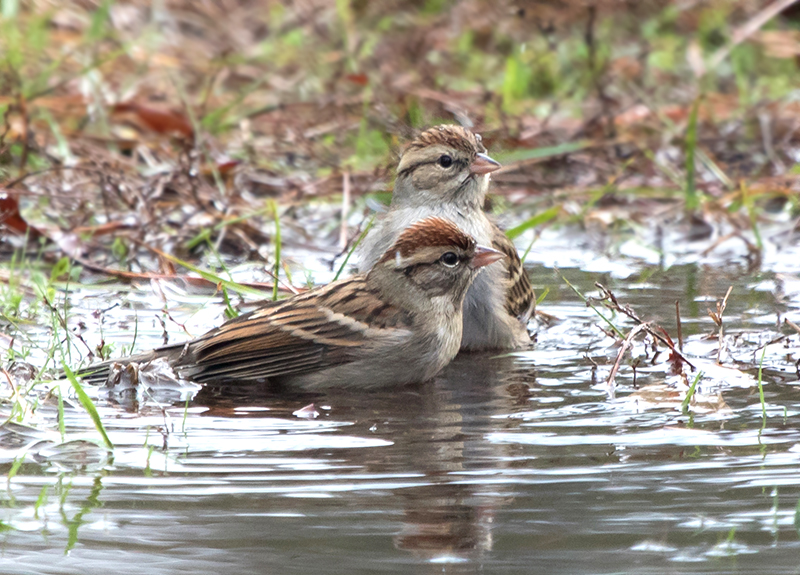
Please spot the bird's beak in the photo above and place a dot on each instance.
(485, 256)
(483, 164)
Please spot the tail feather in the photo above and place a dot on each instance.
(98, 373)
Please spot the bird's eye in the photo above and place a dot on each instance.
(445, 161)
(449, 259)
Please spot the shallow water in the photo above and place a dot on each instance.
(527, 462)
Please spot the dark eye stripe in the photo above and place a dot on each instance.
(456, 161)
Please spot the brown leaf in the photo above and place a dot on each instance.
(223, 167)
(166, 122)
(10, 217)
(102, 229)
(358, 79)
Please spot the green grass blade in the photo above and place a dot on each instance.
(541, 153)
(797, 518)
(41, 501)
(537, 220)
(528, 249)
(15, 467)
(61, 425)
(761, 389)
(87, 404)
(6, 527)
(277, 241)
(233, 286)
(353, 249)
(690, 394)
(587, 302)
(692, 201)
(541, 297)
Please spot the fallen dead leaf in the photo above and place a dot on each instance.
(163, 122)
(11, 219)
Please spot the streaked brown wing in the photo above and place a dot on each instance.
(317, 330)
(520, 298)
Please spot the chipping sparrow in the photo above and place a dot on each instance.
(399, 323)
(445, 173)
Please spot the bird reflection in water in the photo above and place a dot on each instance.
(445, 477)
(450, 518)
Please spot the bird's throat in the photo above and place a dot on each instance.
(468, 196)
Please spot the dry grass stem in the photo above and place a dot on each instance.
(791, 324)
(717, 317)
(626, 344)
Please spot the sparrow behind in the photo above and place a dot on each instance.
(445, 173)
(399, 323)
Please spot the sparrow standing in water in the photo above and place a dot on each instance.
(399, 323)
(445, 173)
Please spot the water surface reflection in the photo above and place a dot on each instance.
(520, 463)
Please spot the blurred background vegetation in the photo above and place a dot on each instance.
(134, 121)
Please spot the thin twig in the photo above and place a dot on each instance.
(63, 323)
(626, 344)
(791, 324)
(289, 287)
(717, 317)
(589, 304)
(749, 28)
(173, 259)
(611, 302)
(123, 274)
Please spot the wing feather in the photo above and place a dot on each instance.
(520, 297)
(320, 329)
